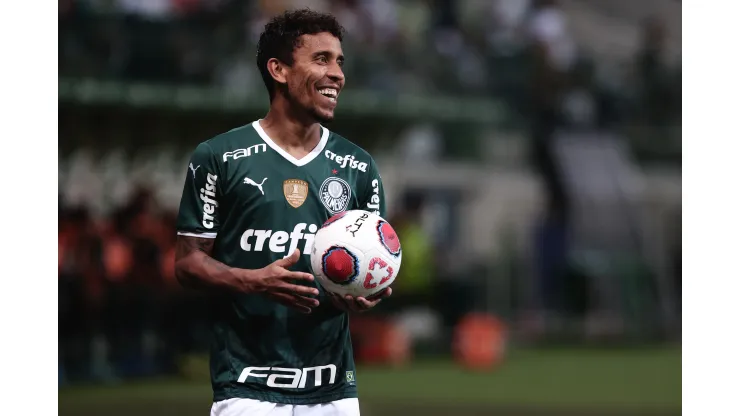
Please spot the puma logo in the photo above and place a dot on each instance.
(253, 183)
(194, 169)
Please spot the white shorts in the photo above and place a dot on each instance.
(251, 407)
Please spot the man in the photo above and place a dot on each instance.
(254, 197)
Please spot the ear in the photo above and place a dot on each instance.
(278, 70)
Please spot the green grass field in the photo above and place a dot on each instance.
(531, 383)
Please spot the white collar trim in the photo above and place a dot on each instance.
(298, 162)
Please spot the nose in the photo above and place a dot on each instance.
(335, 73)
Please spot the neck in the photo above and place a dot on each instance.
(288, 129)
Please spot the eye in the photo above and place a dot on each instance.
(340, 62)
(322, 59)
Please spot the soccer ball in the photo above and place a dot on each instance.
(356, 253)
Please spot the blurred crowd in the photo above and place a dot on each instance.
(121, 310)
(554, 63)
(522, 50)
(389, 43)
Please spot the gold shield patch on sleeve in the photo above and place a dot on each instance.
(295, 191)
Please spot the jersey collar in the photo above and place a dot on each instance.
(298, 162)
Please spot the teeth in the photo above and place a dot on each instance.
(329, 92)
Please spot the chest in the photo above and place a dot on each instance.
(273, 187)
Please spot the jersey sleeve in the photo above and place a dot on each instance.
(374, 198)
(199, 206)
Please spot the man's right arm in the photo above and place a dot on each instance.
(195, 268)
(198, 223)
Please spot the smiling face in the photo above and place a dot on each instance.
(313, 82)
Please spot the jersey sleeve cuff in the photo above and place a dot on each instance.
(198, 235)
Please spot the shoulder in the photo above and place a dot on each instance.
(237, 142)
(246, 132)
(338, 142)
(338, 148)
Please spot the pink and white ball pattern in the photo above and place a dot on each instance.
(356, 253)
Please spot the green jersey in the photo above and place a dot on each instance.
(260, 203)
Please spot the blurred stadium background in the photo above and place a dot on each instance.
(531, 151)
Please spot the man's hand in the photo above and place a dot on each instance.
(359, 304)
(195, 268)
(276, 282)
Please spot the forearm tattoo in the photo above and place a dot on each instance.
(186, 245)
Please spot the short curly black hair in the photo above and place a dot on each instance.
(282, 35)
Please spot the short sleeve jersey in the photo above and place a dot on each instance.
(260, 204)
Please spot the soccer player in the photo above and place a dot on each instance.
(253, 199)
